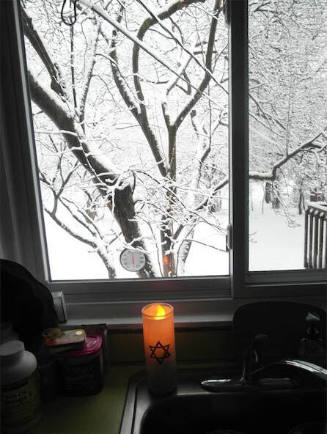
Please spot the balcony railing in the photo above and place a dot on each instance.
(315, 236)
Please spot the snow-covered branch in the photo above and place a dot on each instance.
(89, 75)
(53, 69)
(208, 64)
(304, 147)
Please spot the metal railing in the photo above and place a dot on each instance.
(315, 236)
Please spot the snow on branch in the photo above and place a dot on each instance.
(69, 230)
(158, 20)
(117, 75)
(306, 146)
(129, 35)
(88, 77)
(208, 63)
(53, 68)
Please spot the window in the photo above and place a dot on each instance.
(287, 119)
(131, 137)
(131, 155)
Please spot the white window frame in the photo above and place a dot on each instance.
(196, 300)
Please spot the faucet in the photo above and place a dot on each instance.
(252, 360)
(253, 371)
(298, 365)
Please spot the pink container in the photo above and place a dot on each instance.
(82, 370)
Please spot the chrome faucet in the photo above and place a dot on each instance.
(253, 358)
(253, 373)
(251, 362)
(300, 365)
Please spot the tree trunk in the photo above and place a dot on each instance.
(166, 235)
(120, 200)
(301, 201)
(124, 212)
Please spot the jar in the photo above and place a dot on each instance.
(82, 370)
(7, 333)
(20, 399)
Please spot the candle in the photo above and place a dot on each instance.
(159, 347)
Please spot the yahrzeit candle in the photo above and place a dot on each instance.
(159, 347)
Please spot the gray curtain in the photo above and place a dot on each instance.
(19, 218)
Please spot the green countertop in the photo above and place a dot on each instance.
(101, 413)
(96, 414)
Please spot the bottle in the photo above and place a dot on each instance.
(20, 399)
(312, 348)
(7, 333)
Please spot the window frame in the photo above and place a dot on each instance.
(202, 299)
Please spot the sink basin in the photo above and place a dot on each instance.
(192, 410)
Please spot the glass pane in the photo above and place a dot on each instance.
(288, 121)
(131, 131)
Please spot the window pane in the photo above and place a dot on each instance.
(287, 155)
(132, 143)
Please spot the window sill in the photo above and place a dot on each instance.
(189, 314)
(135, 323)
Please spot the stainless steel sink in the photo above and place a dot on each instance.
(253, 410)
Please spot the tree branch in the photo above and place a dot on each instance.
(105, 178)
(271, 176)
(208, 63)
(72, 66)
(178, 42)
(70, 231)
(52, 68)
(117, 75)
(88, 78)
(111, 270)
(146, 25)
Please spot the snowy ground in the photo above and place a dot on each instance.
(273, 246)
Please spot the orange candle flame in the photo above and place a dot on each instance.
(160, 312)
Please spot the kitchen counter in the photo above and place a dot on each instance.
(101, 413)
(95, 414)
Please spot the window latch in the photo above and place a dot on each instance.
(229, 238)
(59, 305)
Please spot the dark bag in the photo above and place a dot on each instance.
(26, 303)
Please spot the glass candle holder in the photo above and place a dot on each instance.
(159, 347)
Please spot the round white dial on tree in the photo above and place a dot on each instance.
(132, 260)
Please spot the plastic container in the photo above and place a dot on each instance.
(7, 333)
(20, 398)
(82, 370)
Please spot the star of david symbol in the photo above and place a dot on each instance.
(159, 352)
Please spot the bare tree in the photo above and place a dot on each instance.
(138, 92)
(65, 103)
(287, 74)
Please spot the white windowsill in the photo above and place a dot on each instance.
(216, 313)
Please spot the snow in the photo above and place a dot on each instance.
(70, 259)
(275, 245)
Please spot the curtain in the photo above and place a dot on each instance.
(20, 239)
